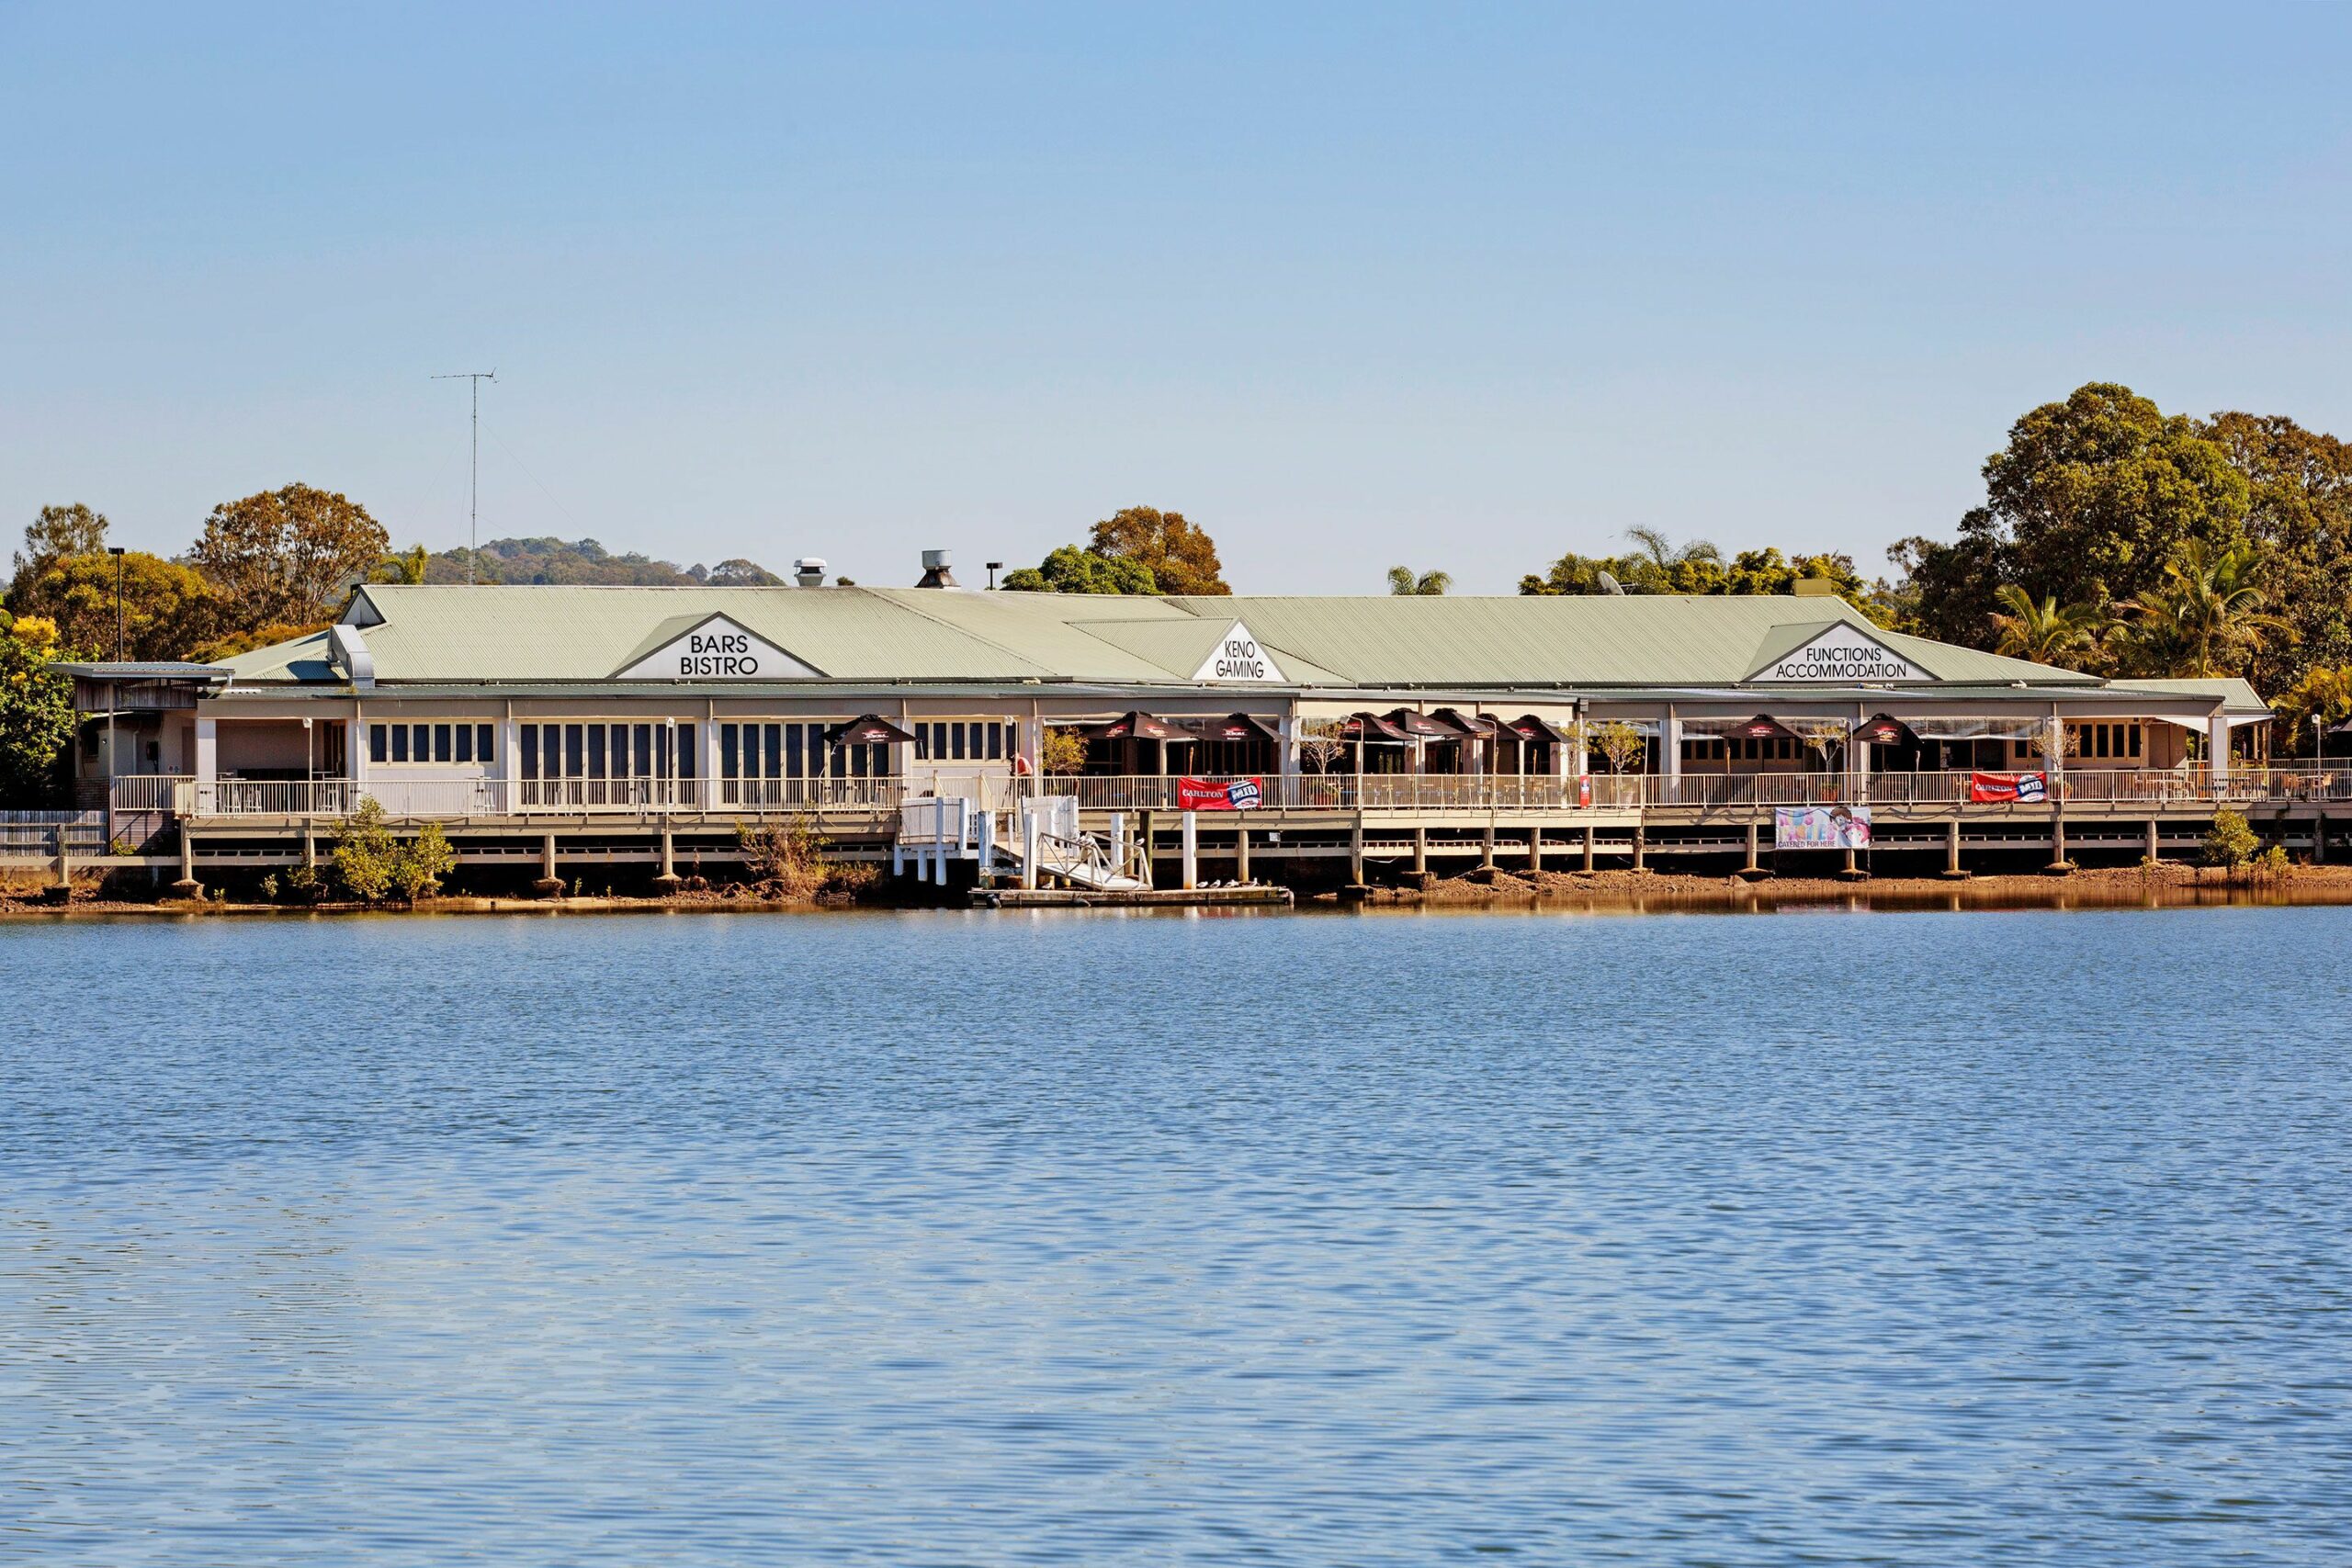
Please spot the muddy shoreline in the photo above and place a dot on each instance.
(1499, 888)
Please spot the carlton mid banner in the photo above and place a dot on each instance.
(2024, 789)
(1202, 795)
(1821, 828)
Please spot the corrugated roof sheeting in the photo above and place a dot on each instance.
(510, 636)
(581, 633)
(1600, 640)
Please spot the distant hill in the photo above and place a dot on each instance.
(585, 560)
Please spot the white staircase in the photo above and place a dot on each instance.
(1046, 826)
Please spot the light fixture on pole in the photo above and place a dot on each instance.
(473, 484)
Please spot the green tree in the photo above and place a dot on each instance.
(365, 857)
(419, 866)
(59, 532)
(2206, 618)
(1180, 557)
(737, 572)
(411, 566)
(1070, 570)
(2045, 631)
(2299, 519)
(2323, 695)
(286, 556)
(1659, 565)
(168, 609)
(35, 714)
(1404, 584)
(2085, 503)
(2232, 842)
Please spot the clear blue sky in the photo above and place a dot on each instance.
(1455, 286)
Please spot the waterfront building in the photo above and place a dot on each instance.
(608, 716)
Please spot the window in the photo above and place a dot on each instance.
(399, 743)
(440, 742)
(378, 751)
(530, 740)
(958, 741)
(465, 743)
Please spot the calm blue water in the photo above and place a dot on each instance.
(1932, 1239)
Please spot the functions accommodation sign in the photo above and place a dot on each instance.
(1843, 654)
(717, 649)
(1218, 794)
(1821, 828)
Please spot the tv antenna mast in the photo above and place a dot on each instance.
(473, 485)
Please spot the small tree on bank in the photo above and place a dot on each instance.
(1622, 746)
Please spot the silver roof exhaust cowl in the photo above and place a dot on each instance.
(936, 573)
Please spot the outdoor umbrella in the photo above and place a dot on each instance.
(867, 731)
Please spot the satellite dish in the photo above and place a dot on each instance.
(1609, 584)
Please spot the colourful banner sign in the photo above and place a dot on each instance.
(1228, 794)
(2022, 788)
(1821, 828)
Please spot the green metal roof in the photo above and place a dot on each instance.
(447, 635)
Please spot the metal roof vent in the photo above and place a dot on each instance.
(810, 571)
(348, 655)
(935, 571)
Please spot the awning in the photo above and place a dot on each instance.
(1885, 729)
(1136, 727)
(1423, 726)
(867, 731)
(1763, 726)
(1529, 727)
(1233, 727)
(1471, 725)
(1370, 729)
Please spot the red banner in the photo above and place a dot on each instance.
(1228, 794)
(2022, 788)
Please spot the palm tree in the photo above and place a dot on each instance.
(1429, 584)
(2207, 616)
(2046, 632)
(1664, 554)
(2323, 696)
(409, 565)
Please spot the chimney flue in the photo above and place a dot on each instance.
(935, 571)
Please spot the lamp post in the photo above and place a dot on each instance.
(114, 692)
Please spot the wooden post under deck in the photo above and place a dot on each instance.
(1355, 850)
(1587, 846)
(1535, 847)
(1242, 855)
(1420, 851)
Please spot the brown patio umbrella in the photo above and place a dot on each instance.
(1138, 726)
(1885, 729)
(866, 730)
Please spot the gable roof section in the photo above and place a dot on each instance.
(455, 634)
(1180, 647)
(1783, 641)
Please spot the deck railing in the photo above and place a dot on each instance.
(1433, 793)
(459, 799)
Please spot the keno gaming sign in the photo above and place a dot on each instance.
(1842, 654)
(1237, 657)
(717, 649)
